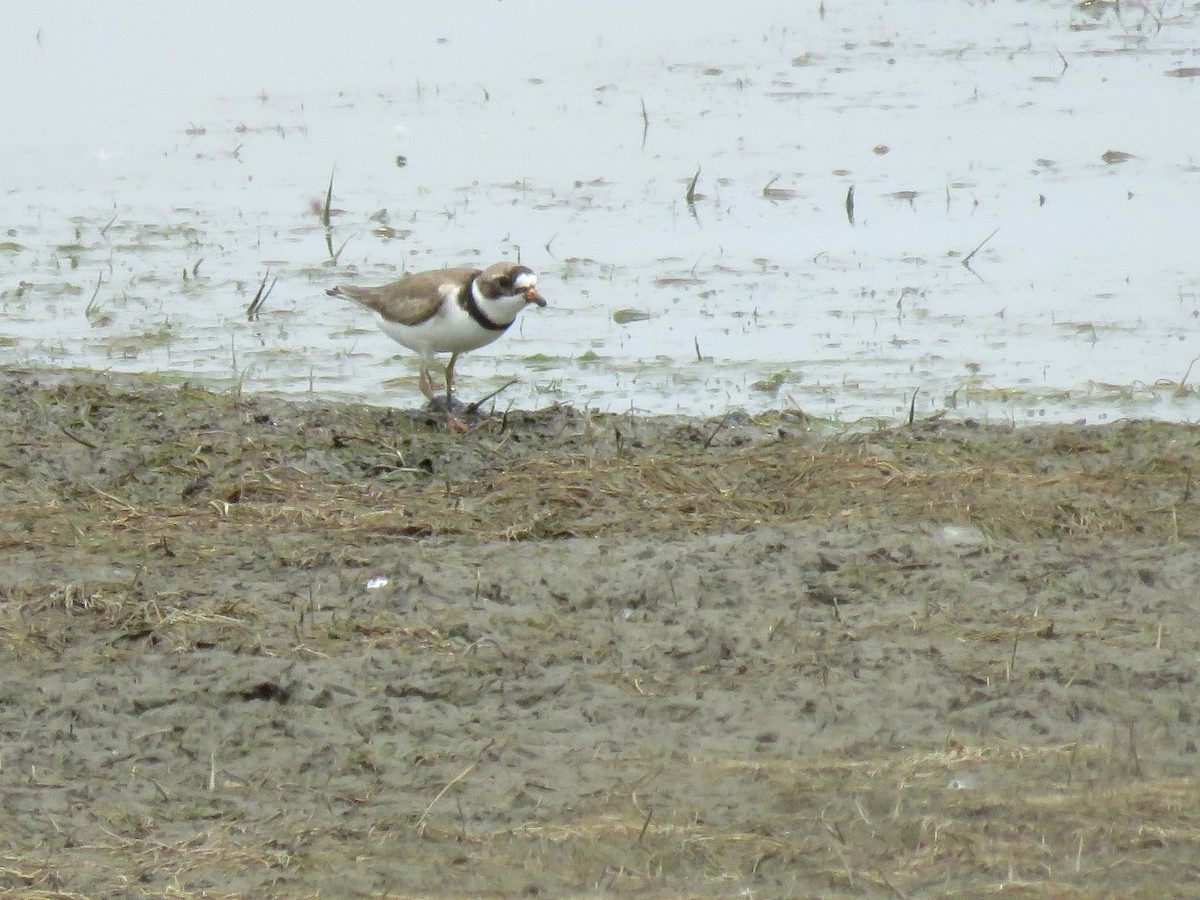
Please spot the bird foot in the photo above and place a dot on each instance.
(451, 409)
(442, 404)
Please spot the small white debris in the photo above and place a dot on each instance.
(965, 536)
(377, 582)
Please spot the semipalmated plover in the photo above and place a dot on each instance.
(448, 311)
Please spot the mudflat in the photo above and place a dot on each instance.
(261, 647)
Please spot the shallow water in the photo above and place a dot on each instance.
(178, 161)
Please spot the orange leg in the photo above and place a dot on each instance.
(454, 424)
(426, 382)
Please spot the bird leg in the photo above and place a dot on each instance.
(427, 383)
(454, 424)
(450, 379)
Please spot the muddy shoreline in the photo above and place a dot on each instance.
(255, 646)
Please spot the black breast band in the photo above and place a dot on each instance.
(466, 299)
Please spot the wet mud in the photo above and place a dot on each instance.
(253, 646)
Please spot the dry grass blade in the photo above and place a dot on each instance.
(475, 406)
(420, 826)
(76, 438)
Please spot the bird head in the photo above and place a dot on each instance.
(504, 279)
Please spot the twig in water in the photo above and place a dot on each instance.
(966, 260)
(329, 245)
(325, 213)
(91, 307)
(691, 192)
(1180, 390)
(912, 407)
(260, 297)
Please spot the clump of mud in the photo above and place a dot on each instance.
(254, 646)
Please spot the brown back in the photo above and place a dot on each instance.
(411, 300)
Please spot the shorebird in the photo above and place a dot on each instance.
(448, 311)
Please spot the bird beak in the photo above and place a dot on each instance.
(532, 296)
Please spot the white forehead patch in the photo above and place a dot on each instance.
(525, 281)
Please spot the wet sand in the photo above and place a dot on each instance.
(256, 647)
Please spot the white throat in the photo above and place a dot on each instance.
(501, 310)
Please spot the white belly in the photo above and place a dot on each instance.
(441, 334)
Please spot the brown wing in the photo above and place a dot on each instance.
(412, 299)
